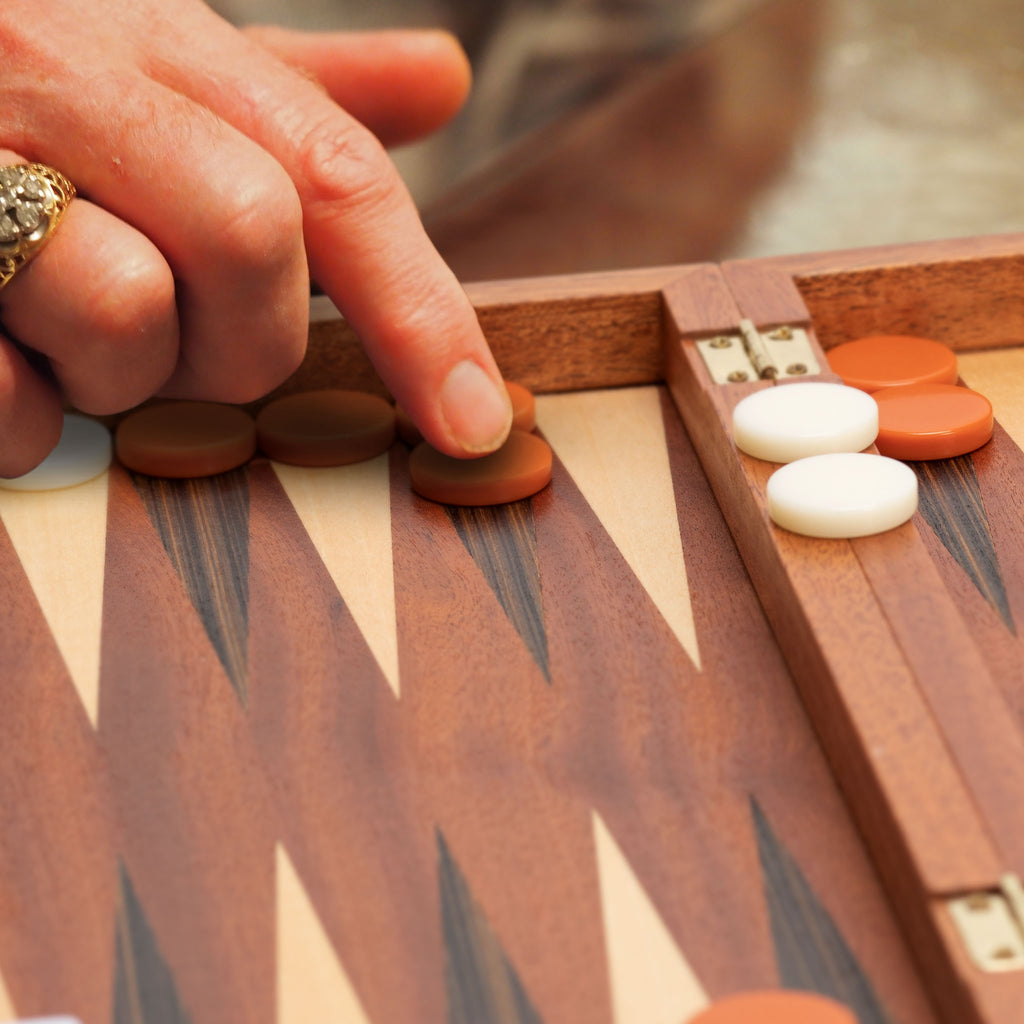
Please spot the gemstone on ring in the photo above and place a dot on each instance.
(33, 198)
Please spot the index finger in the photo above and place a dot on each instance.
(367, 248)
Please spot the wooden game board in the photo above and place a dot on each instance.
(291, 746)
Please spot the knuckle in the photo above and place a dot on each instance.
(259, 222)
(130, 300)
(344, 165)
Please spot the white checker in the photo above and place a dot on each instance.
(48, 1020)
(848, 494)
(794, 421)
(83, 452)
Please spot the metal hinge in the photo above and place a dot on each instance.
(991, 925)
(750, 354)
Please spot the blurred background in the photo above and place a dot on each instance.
(604, 134)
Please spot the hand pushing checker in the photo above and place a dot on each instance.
(517, 470)
(794, 421)
(524, 414)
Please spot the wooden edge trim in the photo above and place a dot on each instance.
(549, 334)
(967, 293)
(918, 819)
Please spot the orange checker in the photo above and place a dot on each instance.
(518, 469)
(776, 1007)
(893, 360)
(931, 421)
(331, 427)
(186, 439)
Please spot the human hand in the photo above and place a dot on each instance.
(216, 169)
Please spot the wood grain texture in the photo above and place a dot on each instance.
(502, 540)
(58, 878)
(825, 964)
(195, 823)
(437, 853)
(203, 525)
(347, 514)
(548, 334)
(965, 293)
(144, 988)
(613, 445)
(326, 723)
(861, 693)
(483, 987)
(996, 373)
(949, 499)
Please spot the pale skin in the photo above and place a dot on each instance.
(217, 170)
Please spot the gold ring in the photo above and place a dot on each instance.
(33, 198)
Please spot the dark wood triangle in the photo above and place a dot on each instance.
(502, 540)
(483, 986)
(950, 502)
(204, 527)
(144, 988)
(810, 951)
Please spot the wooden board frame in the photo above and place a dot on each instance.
(933, 772)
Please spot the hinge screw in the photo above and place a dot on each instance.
(737, 376)
(796, 369)
(782, 334)
(721, 343)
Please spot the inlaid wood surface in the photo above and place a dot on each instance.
(577, 787)
(891, 652)
(285, 744)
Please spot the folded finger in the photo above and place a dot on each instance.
(30, 413)
(98, 301)
(221, 211)
(402, 85)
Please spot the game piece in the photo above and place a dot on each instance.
(932, 421)
(48, 1020)
(893, 360)
(524, 414)
(186, 439)
(83, 452)
(326, 428)
(842, 494)
(793, 421)
(775, 1007)
(521, 467)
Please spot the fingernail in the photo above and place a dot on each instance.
(478, 414)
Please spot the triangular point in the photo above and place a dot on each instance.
(346, 510)
(613, 445)
(651, 981)
(311, 983)
(60, 538)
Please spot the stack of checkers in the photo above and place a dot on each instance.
(898, 393)
(315, 429)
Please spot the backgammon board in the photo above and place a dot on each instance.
(295, 745)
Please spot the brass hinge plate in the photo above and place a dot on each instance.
(991, 925)
(750, 354)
